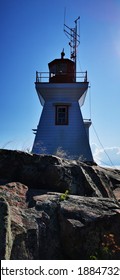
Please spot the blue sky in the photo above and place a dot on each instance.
(31, 33)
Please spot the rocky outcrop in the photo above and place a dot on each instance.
(90, 228)
(39, 222)
(52, 228)
(53, 173)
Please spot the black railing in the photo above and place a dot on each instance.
(46, 76)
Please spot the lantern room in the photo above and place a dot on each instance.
(62, 70)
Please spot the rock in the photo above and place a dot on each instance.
(32, 229)
(56, 174)
(75, 228)
(39, 222)
(5, 230)
(23, 222)
(90, 228)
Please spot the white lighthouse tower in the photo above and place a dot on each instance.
(61, 124)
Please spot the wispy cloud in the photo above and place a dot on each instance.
(109, 156)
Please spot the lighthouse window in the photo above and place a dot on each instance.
(61, 115)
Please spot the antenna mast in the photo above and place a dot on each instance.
(74, 37)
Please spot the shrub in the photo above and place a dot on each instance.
(64, 196)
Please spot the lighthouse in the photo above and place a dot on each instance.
(62, 92)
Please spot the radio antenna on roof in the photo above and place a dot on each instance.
(74, 38)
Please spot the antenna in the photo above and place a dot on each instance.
(64, 14)
(74, 38)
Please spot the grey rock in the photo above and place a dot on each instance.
(39, 222)
(5, 230)
(75, 228)
(56, 174)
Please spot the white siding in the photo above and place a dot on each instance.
(72, 138)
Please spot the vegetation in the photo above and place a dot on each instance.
(61, 153)
(108, 250)
(64, 196)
